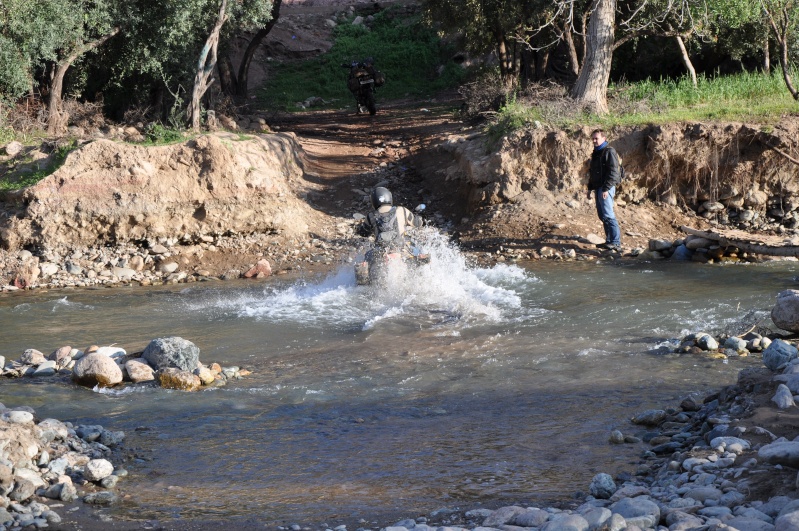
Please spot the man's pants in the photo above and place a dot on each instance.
(604, 209)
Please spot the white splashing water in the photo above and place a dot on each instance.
(446, 285)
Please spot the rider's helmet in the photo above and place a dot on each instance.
(381, 196)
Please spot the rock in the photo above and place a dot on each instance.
(694, 243)
(96, 369)
(111, 352)
(566, 522)
(502, 516)
(158, 249)
(136, 263)
(13, 148)
(602, 486)
(781, 453)
(735, 343)
(139, 370)
(32, 357)
(707, 342)
(748, 524)
(97, 469)
(23, 489)
(173, 378)
(702, 494)
(17, 417)
(530, 518)
(778, 354)
(783, 397)
(48, 269)
(61, 354)
(54, 429)
(787, 522)
(594, 239)
(172, 352)
(785, 312)
(123, 273)
(205, 374)
(651, 417)
(73, 269)
(659, 245)
(633, 509)
(101, 498)
(616, 437)
(260, 269)
(168, 267)
(48, 368)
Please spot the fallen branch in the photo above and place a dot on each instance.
(756, 248)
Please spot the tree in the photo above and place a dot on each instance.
(783, 18)
(245, 14)
(238, 85)
(592, 83)
(46, 37)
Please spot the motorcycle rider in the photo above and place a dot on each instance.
(388, 223)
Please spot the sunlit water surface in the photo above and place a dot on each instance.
(459, 385)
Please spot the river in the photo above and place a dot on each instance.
(459, 385)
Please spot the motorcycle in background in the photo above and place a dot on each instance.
(362, 81)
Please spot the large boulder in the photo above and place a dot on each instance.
(174, 351)
(96, 369)
(784, 453)
(778, 354)
(785, 313)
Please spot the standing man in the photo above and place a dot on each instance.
(603, 176)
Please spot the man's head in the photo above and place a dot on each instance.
(598, 137)
(381, 196)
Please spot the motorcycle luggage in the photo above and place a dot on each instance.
(380, 79)
(353, 84)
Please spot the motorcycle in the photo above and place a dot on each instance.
(362, 81)
(379, 259)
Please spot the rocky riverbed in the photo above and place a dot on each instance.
(725, 462)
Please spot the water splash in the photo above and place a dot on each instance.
(447, 289)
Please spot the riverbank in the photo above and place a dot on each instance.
(725, 461)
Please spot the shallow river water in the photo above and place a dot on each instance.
(458, 386)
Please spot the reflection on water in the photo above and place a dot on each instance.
(458, 384)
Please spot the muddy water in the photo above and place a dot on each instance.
(457, 386)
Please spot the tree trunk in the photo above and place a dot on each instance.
(592, 84)
(205, 68)
(686, 59)
(574, 61)
(227, 80)
(249, 53)
(766, 56)
(781, 26)
(506, 61)
(56, 120)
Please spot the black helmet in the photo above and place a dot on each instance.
(381, 196)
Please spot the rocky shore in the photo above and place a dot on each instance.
(726, 462)
(45, 463)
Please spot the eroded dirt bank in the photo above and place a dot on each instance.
(217, 204)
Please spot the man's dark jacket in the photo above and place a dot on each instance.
(605, 172)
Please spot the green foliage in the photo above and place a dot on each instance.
(747, 96)
(8, 183)
(158, 133)
(512, 116)
(405, 50)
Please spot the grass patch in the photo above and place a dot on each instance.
(18, 181)
(404, 49)
(748, 96)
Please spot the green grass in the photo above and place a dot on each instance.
(29, 179)
(404, 49)
(748, 96)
